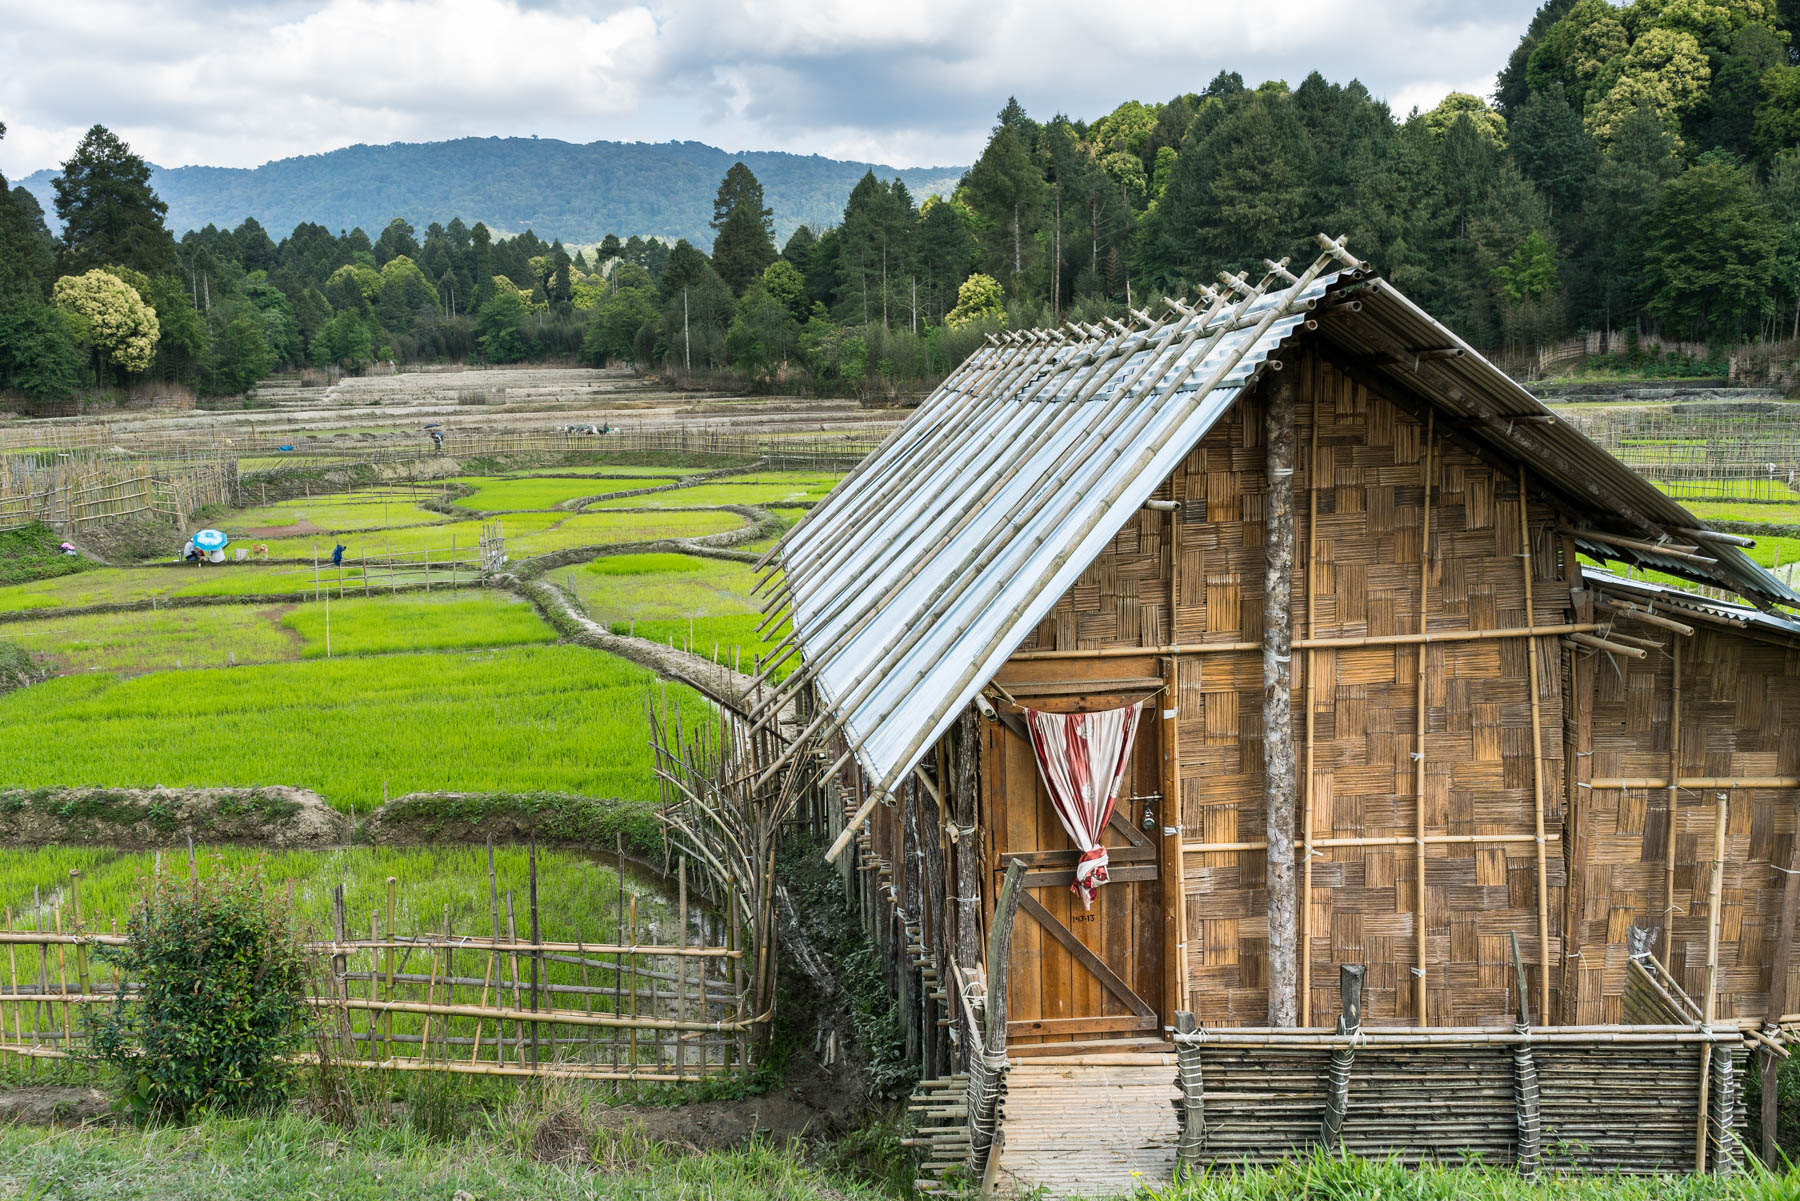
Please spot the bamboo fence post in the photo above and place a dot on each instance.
(1528, 1116)
(512, 939)
(1190, 1100)
(453, 562)
(537, 955)
(1312, 631)
(427, 562)
(370, 1027)
(387, 985)
(619, 958)
(365, 572)
(1337, 1079)
(632, 1045)
(681, 963)
(488, 971)
(81, 951)
(12, 987)
(1537, 762)
(449, 980)
(62, 984)
(340, 967)
(1674, 790)
(1419, 977)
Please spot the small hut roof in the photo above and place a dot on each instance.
(919, 575)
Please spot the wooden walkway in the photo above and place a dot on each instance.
(1088, 1126)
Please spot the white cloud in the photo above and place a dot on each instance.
(906, 82)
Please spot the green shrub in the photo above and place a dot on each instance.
(32, 552)
(220, 975)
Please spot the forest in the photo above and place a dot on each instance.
(1637, 168)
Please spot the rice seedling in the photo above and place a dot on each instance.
(365, 509)
(711, 493)
(130, 643)
(649, 588)
(526, 534)
(815, 483)
(1771, 513)
(416, 622)
(520, 719)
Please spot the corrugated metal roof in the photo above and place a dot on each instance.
(1390, 336)
(914, 581)
(1676, 601)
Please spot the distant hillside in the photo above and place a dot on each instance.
(558, 189)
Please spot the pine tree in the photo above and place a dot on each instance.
(110, 214)
(745, 243)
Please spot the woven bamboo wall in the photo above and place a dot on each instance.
(1740, 705)
(1478, 746)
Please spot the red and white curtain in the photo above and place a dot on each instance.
(1084, 759)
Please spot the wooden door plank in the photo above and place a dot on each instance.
(1082, 955)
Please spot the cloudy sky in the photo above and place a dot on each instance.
(900, 82)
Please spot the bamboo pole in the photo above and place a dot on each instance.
(1698, 783)
(1174, 822)
(681, 964)
(1434, 638)
(1396, 840)
(1674, 791)
(537, 960)
(1710, 1006)
(632, 1045)
(387, 985)
(1419, 978)
(1537, 763)
(1311, 668)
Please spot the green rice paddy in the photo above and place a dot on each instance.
(492, 495)
(132, 643)
(415, 621)
(659, 587)
(519, 719)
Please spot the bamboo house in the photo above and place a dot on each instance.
(1311, 591)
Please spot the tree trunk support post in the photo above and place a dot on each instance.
(987, 1071)
(1190, 1098)
(1529, 1156)
(1278, 722)
(1337, 1080)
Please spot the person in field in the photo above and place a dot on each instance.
(337, 555)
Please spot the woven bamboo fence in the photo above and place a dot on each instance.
(1751, 457)
(500, 1000)
(79, 493)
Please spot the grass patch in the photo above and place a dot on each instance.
(525, 492)
(136, 585)
(132, 643)
(249, 1159)
(30, 553)
(418, 622)
(523, 719)
(1769, 513)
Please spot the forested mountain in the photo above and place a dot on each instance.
(576, 193)
(1637, 168)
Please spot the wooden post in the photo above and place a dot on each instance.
(987, 1073)
(1337, 1081)
(1278, 716)
(1537, 764)
(1419, 969)
(1190, 1100)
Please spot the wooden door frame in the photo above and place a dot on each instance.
(1141, 860)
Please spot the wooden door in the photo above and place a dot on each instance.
(1078, 974)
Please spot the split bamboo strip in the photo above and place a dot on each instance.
(1419, 968)
(1173, 824)
(1537, 764)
